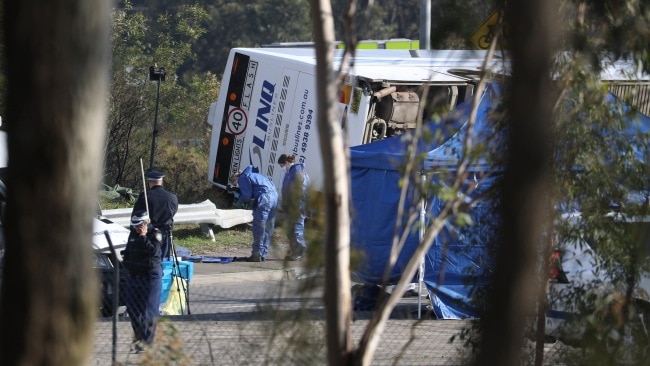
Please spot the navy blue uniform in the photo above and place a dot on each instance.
(162, 208)
(142, 258)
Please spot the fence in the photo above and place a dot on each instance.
(272, 312)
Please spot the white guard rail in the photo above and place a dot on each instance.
(196, 213)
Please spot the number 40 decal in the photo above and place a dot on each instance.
(237, 121)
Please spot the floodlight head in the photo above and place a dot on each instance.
(157, 73)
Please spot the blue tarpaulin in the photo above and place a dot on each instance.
(459, 261)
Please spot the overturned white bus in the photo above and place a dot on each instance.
(267, 102)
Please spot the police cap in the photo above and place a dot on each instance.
(154, 175)
(139, 218)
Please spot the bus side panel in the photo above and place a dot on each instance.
(269, 110)
(301, 134)
(267, 107)
(264, 154)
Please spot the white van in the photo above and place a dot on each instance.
(102, 257)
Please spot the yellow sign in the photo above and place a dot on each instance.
(482, 37)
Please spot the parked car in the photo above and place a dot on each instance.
(103, 262)
(108, 266)
(587, 291)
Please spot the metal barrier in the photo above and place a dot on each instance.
(205, 212)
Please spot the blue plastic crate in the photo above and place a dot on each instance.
(185, 269)
(166, 286)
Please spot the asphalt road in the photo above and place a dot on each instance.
(261, 313)
(265, 322)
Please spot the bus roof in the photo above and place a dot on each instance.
(407, 66)
(437, 62)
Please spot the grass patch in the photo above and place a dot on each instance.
(199, 242)
(238, 238)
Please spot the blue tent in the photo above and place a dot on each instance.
(375, 173)
(459, 261)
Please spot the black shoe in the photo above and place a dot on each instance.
(253, 258)
(134, 345)
(139, 346)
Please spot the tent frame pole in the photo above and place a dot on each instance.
(423, 210)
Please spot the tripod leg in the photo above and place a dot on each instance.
(177, 270)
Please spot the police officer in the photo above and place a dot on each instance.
(144, 284)
(162, 208)
(261, 190)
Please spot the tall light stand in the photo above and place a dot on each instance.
(155, 74)
(425, 24)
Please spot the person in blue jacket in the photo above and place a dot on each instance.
(142, 258)
(295, 187)
(261, 190)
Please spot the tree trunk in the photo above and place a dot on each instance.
(336, 192)
(57, 70)
(524, 190)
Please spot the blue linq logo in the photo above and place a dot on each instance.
(261, 124)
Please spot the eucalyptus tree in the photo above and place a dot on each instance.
(587, 161)
(336, 193)
(602, 168)
(57, 73)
